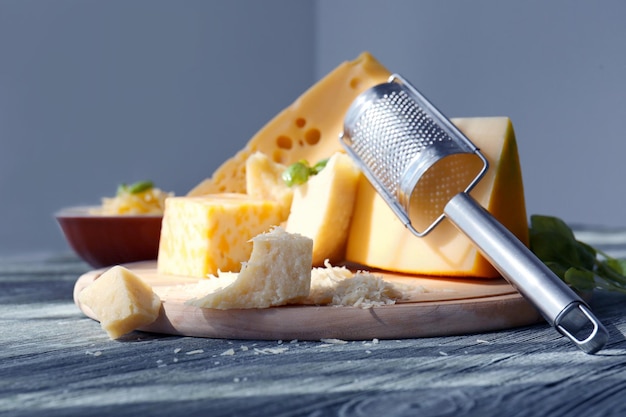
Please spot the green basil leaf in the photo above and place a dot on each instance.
(319, 166)
(299, 172)
(587, 255)
(140, 186)
(580, 279)
(554, 247)
(578, 264)
(296, 174)
(558, 269)
(551, 224)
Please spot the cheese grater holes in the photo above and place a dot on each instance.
(406, 129)
(416, 160)
(446, 178)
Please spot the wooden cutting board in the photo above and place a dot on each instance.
(447, 306)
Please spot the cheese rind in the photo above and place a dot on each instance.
(277, 273)
(378, 239)
(201, 235)
(322, 208)
(308, 129)
(121, 301)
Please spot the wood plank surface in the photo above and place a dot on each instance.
(55, 361)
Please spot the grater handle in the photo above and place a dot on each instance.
(556, 302)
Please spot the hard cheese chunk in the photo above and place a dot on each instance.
(264, 180)
(201, 235)
(378, 239)
(121, 301)
(307, 129)
(322, 208)
(278, 272)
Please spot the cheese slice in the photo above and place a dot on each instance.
(277, 273)
(322, 208)
(307, 129)
(378, 239)
(201, 235)
(121, 301)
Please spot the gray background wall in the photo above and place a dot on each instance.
(96, 93)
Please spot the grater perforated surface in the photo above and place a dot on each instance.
(407, 130)
(417, 157)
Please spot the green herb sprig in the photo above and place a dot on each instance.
(578, 264)
(298, 173)
(135, 188)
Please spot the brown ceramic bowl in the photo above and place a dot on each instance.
(110, 240)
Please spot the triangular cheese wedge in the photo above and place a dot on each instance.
(378, 239)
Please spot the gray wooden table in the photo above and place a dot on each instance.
(56, 362)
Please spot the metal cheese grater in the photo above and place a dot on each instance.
(424, 168)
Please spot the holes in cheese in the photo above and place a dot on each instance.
(307, 129)
(378, 239)
(121, 301)
(201, 235)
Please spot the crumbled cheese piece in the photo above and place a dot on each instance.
(229, 352)
(121, 301)
(277, 273)
(341, 287)
(271, 351)
(334, 341)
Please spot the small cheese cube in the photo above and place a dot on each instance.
(322, 208)
(278, 272)
(201, 235)
(121, 301)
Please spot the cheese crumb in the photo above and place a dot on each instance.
(334, 341)
(271, 351)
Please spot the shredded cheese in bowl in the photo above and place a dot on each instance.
(141, 198)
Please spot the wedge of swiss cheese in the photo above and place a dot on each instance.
(378, 239)
(307, 129)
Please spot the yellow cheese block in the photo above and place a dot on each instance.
(378, 239)
(322, 208)
(264, 180)
(277, 273)
(307, 129)
(201, 235)
(121, 301)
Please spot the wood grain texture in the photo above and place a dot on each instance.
(447, 307)
(54, 361)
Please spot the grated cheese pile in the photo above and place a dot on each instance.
(338, 286)
(148, 202)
